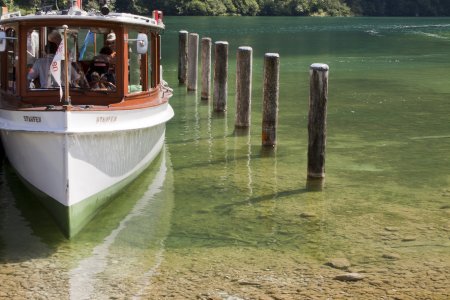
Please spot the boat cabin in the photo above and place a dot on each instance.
(114, 59)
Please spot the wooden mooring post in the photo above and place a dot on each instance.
(270, 99)
(182, 56)
(192, 62)
(244, 62)
(206, 68)
(317, 121)
(220, 76)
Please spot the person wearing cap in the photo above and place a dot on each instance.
(111, 43)
(54, 37)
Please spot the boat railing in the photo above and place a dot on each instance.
(10, 15)
(132, 17)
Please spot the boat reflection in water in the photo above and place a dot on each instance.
(117, 253)
(130, 254)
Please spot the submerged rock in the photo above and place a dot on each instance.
(339, 263)
(246, 282)
(350, 277)
(391, 256)
(307, 215)
(391, 228)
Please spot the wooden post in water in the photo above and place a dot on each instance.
(317, 120)
(270, 100)
(244, 62)
(206, 67)
(192, 62)
(182, 56)
(220, 76)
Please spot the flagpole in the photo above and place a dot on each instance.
(66, 69)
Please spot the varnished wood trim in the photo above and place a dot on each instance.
(121, 99)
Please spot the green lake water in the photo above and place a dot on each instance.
(216, 200)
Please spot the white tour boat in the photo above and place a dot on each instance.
(77, 133)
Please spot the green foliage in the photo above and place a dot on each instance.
(246, 7)
(208, 7)
(91, 5)
(303, 7)
(399, 7)
(9, 4)
(128, 6)
(261, 7)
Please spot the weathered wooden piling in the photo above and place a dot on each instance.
(192, 70)
(244, 62)
(182, 56)
(317, 120)
(220, 76)
(270, 99)
(206, 67)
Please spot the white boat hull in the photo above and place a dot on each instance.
(75, 157)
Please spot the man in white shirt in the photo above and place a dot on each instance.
(41, 69)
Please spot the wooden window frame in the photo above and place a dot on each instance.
(155, 52)
(77, 97)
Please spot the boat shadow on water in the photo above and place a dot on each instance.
(27, 230)
(138, 216)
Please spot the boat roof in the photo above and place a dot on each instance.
(82, 16)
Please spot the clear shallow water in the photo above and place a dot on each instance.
(222, 201)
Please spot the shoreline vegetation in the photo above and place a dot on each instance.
(419, 8)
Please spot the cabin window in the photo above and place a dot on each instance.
(135, 77)
(2, 85)
(155, 59)
(32, 47)
(91, 52)
(149, 65)
(11, 60)
(1, 71)
(158, 41)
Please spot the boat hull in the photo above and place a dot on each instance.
(77, 171)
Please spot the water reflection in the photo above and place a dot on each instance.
(315, 184)
(27, 230)
(83, 281)
(117, 253)
(243, 136)
(209, 126)
(215, 188)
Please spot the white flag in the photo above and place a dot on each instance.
(55, 67)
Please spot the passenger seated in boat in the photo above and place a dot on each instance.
(100, 73)
(111, 43)
(41, 67)
(97, 82)
(41, 70)
(82, 80)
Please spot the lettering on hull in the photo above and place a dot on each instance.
(32, 119)
(107, 119)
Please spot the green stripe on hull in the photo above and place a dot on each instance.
(71, 219)
(81, 213)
